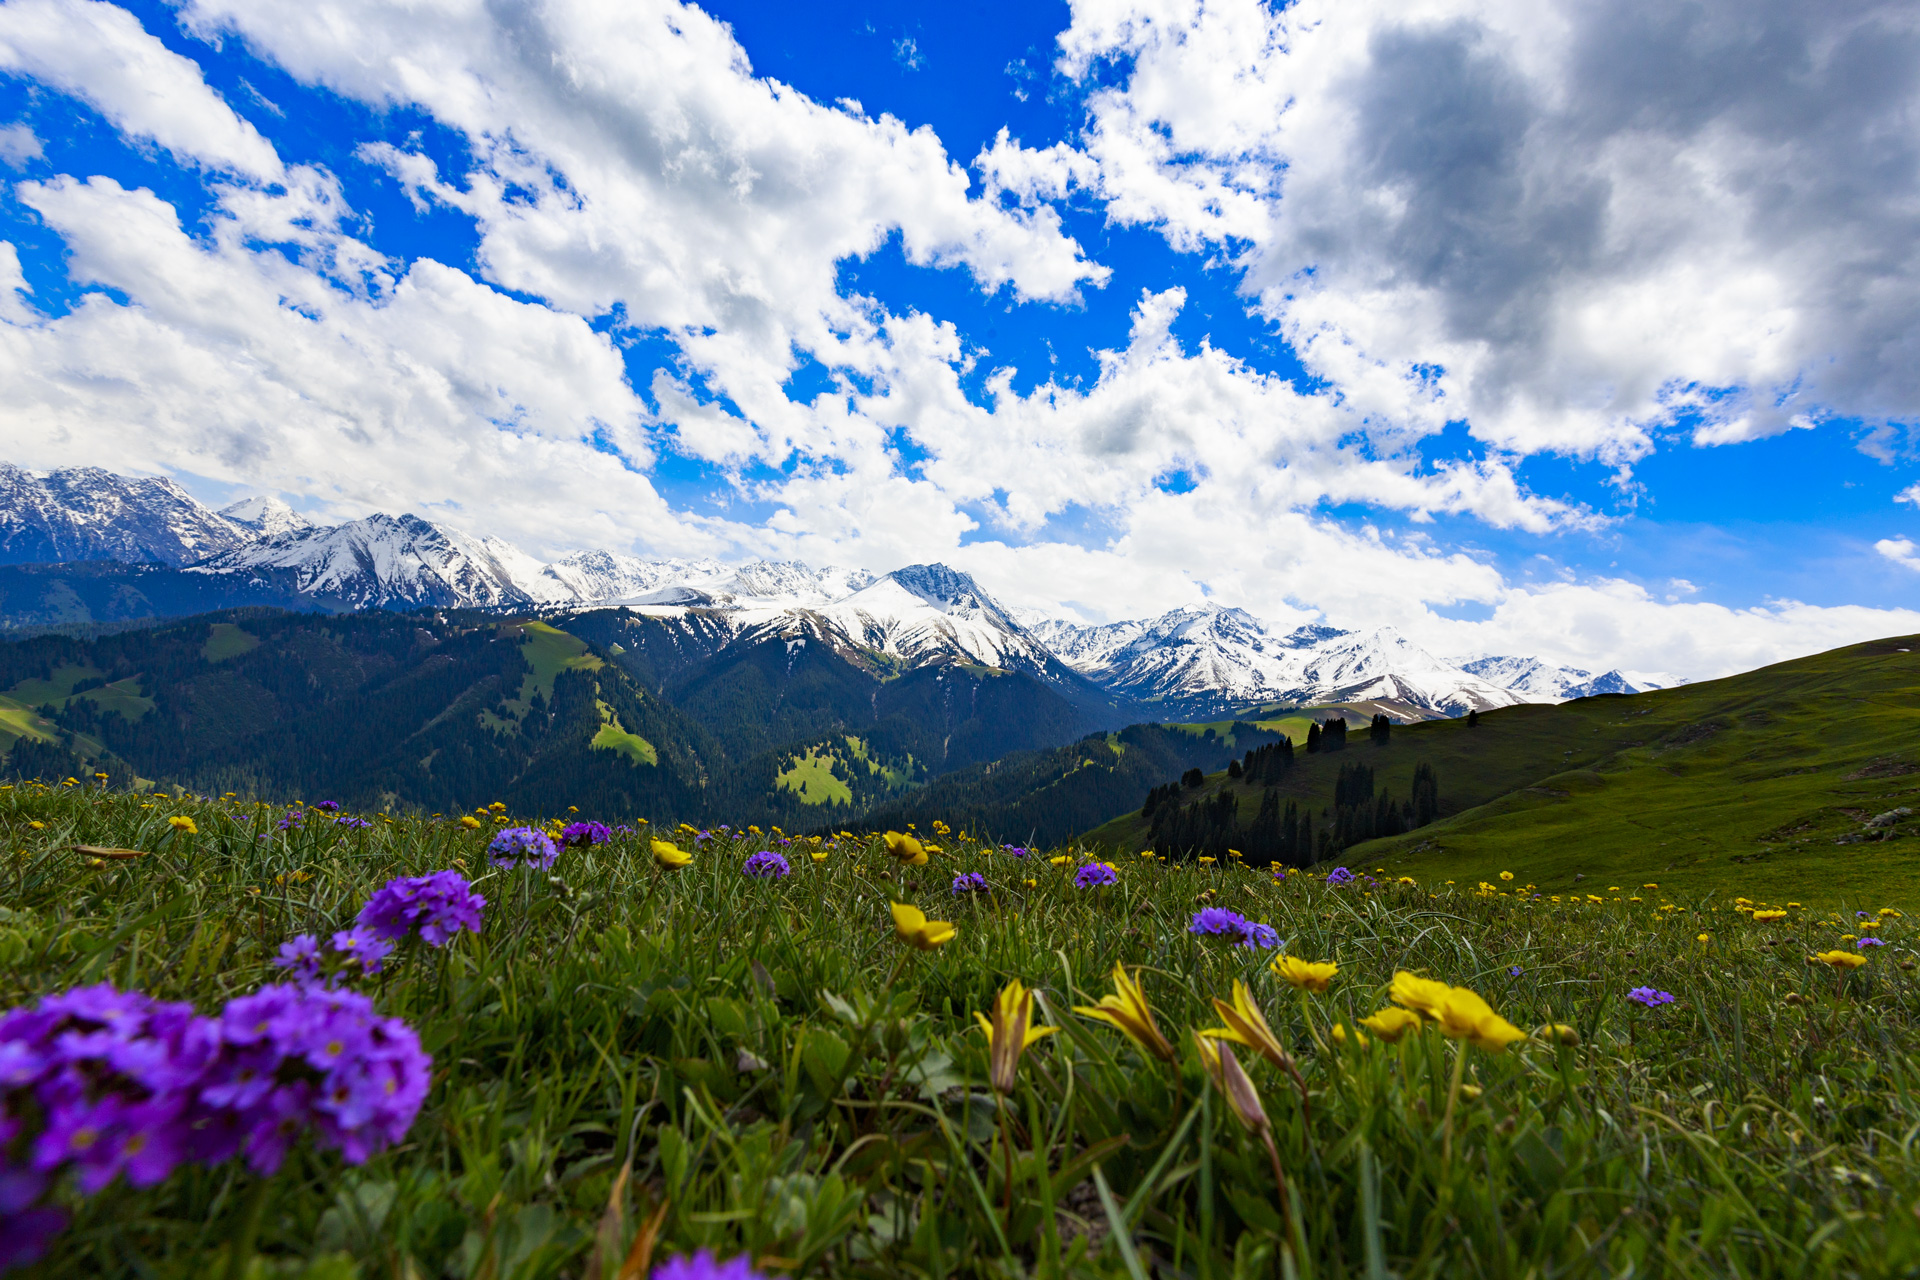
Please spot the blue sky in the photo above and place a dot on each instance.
(1130, 309)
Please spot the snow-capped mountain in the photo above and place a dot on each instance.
(1208, 653)
(265, 517)
(86, 513)
(383, 560)
(1537, 681)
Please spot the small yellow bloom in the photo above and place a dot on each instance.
(1889, 911)
(907, 850)
(1304, 974)
(1340, 1033)
(1768, 916)
(1460, 1013)
(670, 855)
(1206, 862)
(1010, 1033)
(819, 855)
(1839, 959)
(1391, 1024)
(184, 824)
(912, 927)
(470, 822)
(1128, 1011)
(1033, 884)
(1558, 1033)
(41, 826)
(1705, 937)
(1060, 861)
(1147, 853)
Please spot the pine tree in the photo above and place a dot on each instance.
(1313, 737)
(1333, 734)
(1426, 795)
(1473, 718)
(1380, 730)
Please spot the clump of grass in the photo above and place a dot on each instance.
(696, 1058)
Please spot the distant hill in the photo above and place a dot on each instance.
(1765, 782)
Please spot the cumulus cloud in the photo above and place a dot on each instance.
(1589, 219)
(100, 54)
(1902, 551)
(1909, 494)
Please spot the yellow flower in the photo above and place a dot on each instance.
(41, 826)
(1206, 862)
(1060, 861)
(1889, 911)
(1767, 917)
(1391, 1024)
(909, 851)
(1506, 875)
(1231, 1080)
(670, 855)
(470, 822)
(1246, 1025)
(1339, 1034)
(912, 927)
(1148, 853)
(1460, 1013)
(1557, 1033)
(1839, 959)
(1010, 1032)
(498, 806)
(182, 823)
(1033, 884)
(1705, 937)
(1303, 974)
(819, 855)
(1127, 1009)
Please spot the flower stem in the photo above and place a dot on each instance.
(1453, 1098)
(252, 1209)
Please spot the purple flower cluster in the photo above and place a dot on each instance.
(1650, 997)
(969, 882)
(1095, 874)
(1220, 922)
(438, 905)
(295, 820)
(766, 865)
(704, 1266)
(527, 847)
(328, 806)
(359, 948)
(1340, 875)
(102, 1083)
(585, 834)
(1863, 943)
(1018, 851)
(350, 822)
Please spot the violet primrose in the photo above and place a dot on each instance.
(1340, 875)
(1095, 874)
(1650, 997)
(438, 905)
(1863, 943)
(704, 1266)
(585, 834)
(526, 847)
(766, 865)
(969, 882)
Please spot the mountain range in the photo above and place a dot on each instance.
(151, 550)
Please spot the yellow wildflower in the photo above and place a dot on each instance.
(1461, 1014)
(1768, 916)
(906, 849)
(912, 927)
(1339, 1034)
(670, 855)
(1558, 1033)
(1391, 1024)
(1128, 1011)
(1010, 1032)
(1305, 975)
(1506, 875)
(1231, 1080)
(183, 824)
(470, 822)
(1248, 1026)
(1839, 959)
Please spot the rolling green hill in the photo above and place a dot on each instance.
(1759, 784)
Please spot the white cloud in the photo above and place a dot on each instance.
(1902, 551)
(99, 53)
(19, 145)
(1909, 494)
(1594, 217)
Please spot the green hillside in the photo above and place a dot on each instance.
(1759, 784)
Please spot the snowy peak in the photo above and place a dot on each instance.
(86, 513)
(383, 561)
(1537, 681)
(265, 517)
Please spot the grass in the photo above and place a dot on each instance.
(225, 640)
(768, 1069)
(611, 737)
(19, 714)
(1740, 786)
(549, 651)
(811, 777)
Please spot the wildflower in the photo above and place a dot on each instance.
(1858, 915)
(766, 865)
(526, 847)
(1649, 997)
(1704, 937)
(438, 905)
(1340, 1033)
(819, 855)
(969, 882)
(352, 823)
(1231, 1080)
(1889, 911)
(295, 820)
(1839, 959)
(1303, 974)
(670, 855)
(1506, 875)
(1096, 874)
(1060, 861)
(300, 955)
(1127, 1010)
(1010, 1033)
(1225, 923)
(1206, 862)
(470, 822)
(1557, 1033)
(1769, 916)
(1248, 1026)
(363, 947)
(183, 824)
(704, 1266)
(1864, 943)
(1017, 851)
(1459, 1013)
(328, 806)
(906, 849)
(585, 834)
(912, 927)
(1340, 875)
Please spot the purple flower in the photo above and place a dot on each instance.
(1863, 915)
(586, 834)
(1339, 875)
(1513, 971)
(1018, 851)
(1649, 997)
(294, 821)
(438, 905)
(300, 956)
(1095, 874)
(1868, 942)
(704, 1266)
(969, 882)
(363, 947)
(328, 806)
(766, 865)
(526, 847)
(1220, 922)
(350, 822)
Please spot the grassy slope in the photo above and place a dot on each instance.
(1738, 785)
